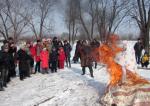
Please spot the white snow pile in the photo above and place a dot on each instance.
(65, 88)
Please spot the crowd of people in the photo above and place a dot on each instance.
(43, 56)
(46, 54)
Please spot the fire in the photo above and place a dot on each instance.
(107, 54)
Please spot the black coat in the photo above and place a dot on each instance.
(5, 59)
(55, 45)
(24, 59)
(53, 56)
(138, 48)
(67, 49)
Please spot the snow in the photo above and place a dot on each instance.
(67, 87)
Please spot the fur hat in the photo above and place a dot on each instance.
(23, 45)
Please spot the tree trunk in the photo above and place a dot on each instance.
(41, 30)
(69, 31)
(145, 37)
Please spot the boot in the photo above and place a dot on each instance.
(1, 87)
(83, 70)
(91, 72)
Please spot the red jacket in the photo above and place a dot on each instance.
(33, 51)
(61, 56)
(37, 54)
(44, 57)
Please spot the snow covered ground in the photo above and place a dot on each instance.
(67, 87)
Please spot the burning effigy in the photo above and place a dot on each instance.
(125, 88)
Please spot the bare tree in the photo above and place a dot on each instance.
(110, 14)
(105, 15)
(87, 9)
(141, 13)
(71, 16)
(13, 23)
(41, 12)
(3, 20)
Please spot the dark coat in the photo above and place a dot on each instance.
(78, 49)
(67, 49)
(55, 45)
(86, 56)
(53, 56)
(24, 59)
(138, 48)
(5, 60)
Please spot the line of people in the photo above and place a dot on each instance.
(47, 54)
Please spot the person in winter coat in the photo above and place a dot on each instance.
(49, 45)
(38, 49)
(5, 43)
(77, 54)
(145, 60)
(67, 49)
(4, 67)
(60, 44)
(61, 58)
(138, 50)
(31, 52)
(44, 57)
(12, 52)
(55, 43)
(53, 60)
(86, 57)
(24, 66)
(95, 45)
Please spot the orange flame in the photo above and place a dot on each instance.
(107, 53)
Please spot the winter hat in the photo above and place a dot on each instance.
(44, 49)
(44, 40)
(23, 45)
(5, 41)
(38, 40)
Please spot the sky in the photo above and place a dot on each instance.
(59, 26)
(126, 27)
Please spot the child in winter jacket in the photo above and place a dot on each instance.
(54, 60)
(145, 60)
(61, 58)
(44, 57)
